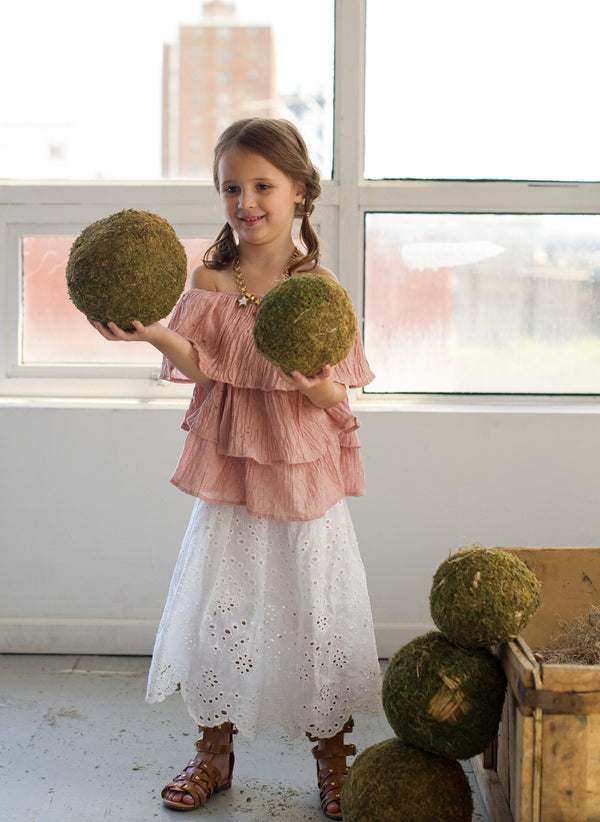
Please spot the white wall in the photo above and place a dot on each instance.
(90, 525)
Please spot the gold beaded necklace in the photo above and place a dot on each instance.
(247, 296)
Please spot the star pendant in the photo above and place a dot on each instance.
(243, 300)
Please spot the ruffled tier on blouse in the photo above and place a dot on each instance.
(253, 439)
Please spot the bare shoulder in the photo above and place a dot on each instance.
(319, 269)
(204, 278)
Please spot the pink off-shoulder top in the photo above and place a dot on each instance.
(253, 439)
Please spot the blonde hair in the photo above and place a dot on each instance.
(279, 142)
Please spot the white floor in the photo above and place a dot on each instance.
(79, 744)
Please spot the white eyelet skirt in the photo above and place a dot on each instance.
(268, 623)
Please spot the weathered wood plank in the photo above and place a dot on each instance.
(522, 800)
(491, 792)
(579, 678)
(564, 756)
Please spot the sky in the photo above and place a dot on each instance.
(468, 88)
(94, 70)
(497, 88)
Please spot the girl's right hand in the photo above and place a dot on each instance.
(112, 332)
(175, 348)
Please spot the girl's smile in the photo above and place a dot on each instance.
(250, 221)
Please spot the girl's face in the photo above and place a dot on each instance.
(259, 199)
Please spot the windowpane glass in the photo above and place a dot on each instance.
(140, 89)
(483, 303)
(468, 89)
(53, 330)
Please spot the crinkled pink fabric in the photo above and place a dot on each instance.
(253, 439)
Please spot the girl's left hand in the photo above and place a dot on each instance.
(321, 390)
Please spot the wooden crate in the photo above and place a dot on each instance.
(544, 765)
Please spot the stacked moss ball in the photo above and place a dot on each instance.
(395, 782)
(127, 266)
(443, 693)
(304, 323)
(443, 698)
(483, 596)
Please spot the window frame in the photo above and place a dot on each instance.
(193, 208)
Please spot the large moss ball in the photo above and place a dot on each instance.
(395, 782)
(443, 698)
(128, 266)
(304, 323)
(483, 596)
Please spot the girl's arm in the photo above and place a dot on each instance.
(171, 345)
(322, 390)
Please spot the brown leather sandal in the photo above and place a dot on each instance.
(331, 779)
(199, 779)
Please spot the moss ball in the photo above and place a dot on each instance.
(443, 698)
(395, 782)
(128, 266)
(304, 323)
(483, 596)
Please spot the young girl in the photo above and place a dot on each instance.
(267, 620)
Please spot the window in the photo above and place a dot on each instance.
(482, 240)
(77, 126)
(459, 206)
(483, 303)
